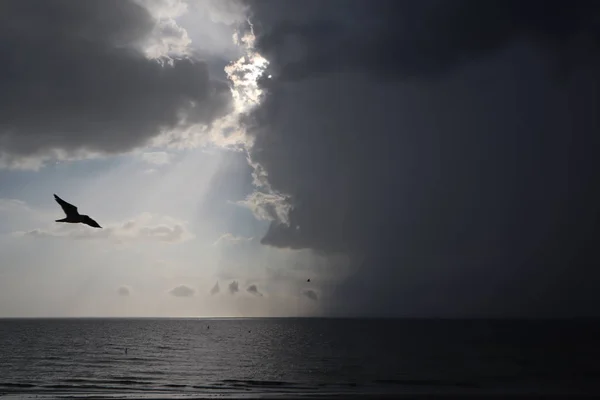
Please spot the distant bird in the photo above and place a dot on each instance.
(73, 215)
(308, 280)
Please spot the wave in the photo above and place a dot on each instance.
(121, 381)
(105, 388)
(251, 382)
(424, 382)
(141, 383)
(17, 385)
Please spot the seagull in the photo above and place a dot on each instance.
(73, 215)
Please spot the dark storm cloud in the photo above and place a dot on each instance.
(234, 287)
(74, 78)
(402, 39)
(253, 289)
(469, 193)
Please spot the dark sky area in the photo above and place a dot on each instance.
(447, 147)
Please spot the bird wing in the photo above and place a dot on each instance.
(69, 209)
(89, 221)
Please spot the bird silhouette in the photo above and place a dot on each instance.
(73, 215)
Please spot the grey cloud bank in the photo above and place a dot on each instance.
(77, 81)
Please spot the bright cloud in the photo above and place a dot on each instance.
(229, 238)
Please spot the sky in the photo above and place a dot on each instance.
(428, 159)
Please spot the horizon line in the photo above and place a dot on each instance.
(446, 318)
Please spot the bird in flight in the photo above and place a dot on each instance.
(73, 215)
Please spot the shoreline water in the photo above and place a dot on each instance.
(262, 393)
(554, 396)
(297, 358)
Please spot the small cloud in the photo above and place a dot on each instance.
(311, 294)
(234, 287)
(124, 291)
(37, 233)
(145, 227)
(216, 289)
(182, 291)
(20, 213)
(252, 289)
(164, 233)
(12, 204)
(161, 264)
(156, 157)
(231, 239)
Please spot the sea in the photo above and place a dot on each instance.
(296, 358)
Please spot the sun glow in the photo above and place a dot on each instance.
(245, 73)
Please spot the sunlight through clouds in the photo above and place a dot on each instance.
(245, 72)
(227, 131)
(180, 176)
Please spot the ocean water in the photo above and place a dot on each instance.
(241, 358)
